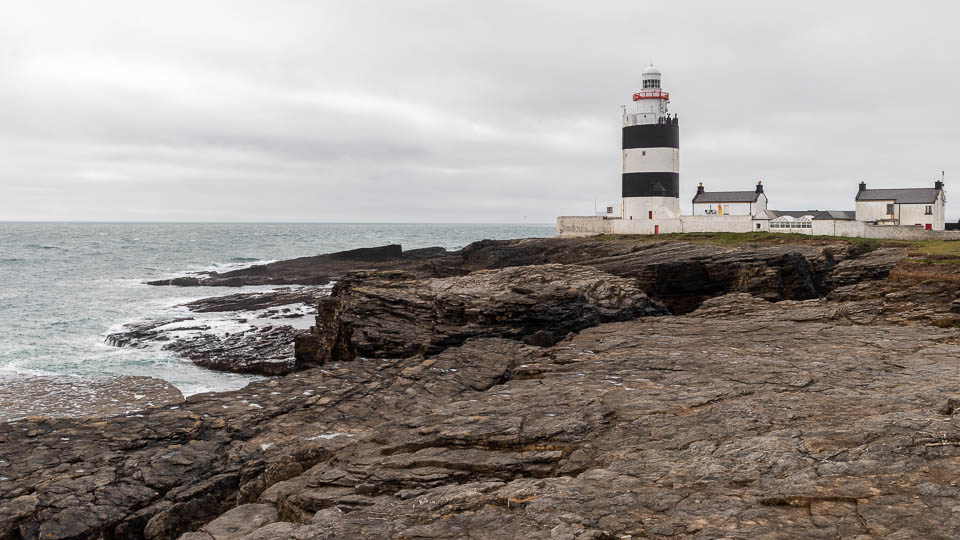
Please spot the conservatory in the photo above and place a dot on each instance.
(791, 224)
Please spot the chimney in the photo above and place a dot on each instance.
(759, 186)
(700, 188)
(938, 184)
(863, 185)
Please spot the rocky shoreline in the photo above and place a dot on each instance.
(544, 388)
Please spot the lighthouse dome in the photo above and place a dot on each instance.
(651, 71)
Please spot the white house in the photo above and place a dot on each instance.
(729, 203)
(921, 207)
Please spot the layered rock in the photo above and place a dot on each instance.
(783, 421)
(679, 274)
(393, 315)
(745, 418)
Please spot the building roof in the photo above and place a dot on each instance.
(726, 196)
(900, 196)
(816, 214)
(847, 215)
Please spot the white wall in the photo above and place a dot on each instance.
(651, 160)
(908, 214)
(583, 225)
(646, 226)
(718, 224)
(874, 210)
(729, 209)
(825, 227)
(589, 225)
(639, 208)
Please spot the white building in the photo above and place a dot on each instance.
(729, 203)
(818, 222)
(920, 207)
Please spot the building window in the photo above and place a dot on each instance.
(890, 209)
(928, 210)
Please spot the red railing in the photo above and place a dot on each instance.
(651, 94)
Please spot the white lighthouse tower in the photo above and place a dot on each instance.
(651, 155)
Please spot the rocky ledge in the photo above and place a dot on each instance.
(834, 416)
(257, 342)
(393, 315)
(676, 275)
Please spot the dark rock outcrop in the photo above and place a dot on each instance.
(679, 274)
(393, 315)
(274, 299)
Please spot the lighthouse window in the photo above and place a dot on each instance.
(651, 83)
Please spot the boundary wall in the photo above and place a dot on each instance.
(590, 225)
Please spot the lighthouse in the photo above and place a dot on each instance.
(651, 155)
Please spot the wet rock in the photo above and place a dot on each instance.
(259, 300)
(140, 333)
(259, 350)
(393, 315)
(256, 350)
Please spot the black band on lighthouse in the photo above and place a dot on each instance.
(651, 136)
(651, 184)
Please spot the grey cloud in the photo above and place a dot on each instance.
(451, 111)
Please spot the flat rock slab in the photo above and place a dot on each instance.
(79, 397)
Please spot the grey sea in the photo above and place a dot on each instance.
(65, 286)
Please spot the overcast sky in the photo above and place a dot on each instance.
(492, 111)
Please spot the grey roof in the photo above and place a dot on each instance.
(849, 215)
(817, 214)
(726, 196)
(900, 196)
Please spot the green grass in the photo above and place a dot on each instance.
(862, 245)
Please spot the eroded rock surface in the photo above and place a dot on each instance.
(781, 422)
(754, 415)
(393, 315)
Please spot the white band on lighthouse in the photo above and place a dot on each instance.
(638, 160)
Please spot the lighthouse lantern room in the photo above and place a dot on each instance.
(651, 154)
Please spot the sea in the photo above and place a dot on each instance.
(65, 286)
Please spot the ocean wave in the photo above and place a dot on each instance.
(244, 259)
